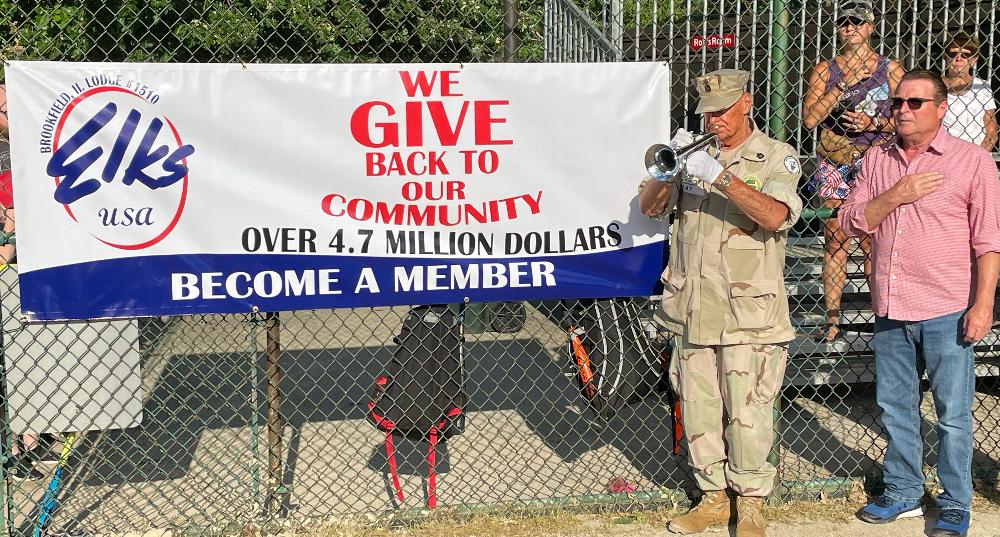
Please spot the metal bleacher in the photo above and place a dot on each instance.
(849, 359)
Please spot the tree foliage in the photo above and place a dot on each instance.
(265, 31)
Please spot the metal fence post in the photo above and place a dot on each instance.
(6, 505)
(276, 488)
(254, 414)
(183, 470)
(511, 43)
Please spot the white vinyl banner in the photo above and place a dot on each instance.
(162, 189)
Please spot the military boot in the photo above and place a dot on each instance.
(714, 508)
(750, 517)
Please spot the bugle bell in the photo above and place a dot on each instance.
(665, 163)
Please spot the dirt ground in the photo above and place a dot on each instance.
(791, 520)
(199, 461)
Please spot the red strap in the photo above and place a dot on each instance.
(391, 455)
(678, 427)
(6, 190)
(431, 477)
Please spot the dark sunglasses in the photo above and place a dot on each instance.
(963, 53)
(913, 102)
(853, 21)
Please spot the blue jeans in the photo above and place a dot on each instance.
(904, 350)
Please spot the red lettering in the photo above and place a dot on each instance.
(421, 83)
(369, 132)
(389, 215)
(412, 165)
(415, 163)
(412, 191)
(374, 164)
(420, 216)
(439, 116)
(414, 124)
(359, 126)
(446, 190)
(435, 163)
(456, 190)
(484, 122)
(360, 209)
(488, 161)
(327, 204)
(395, 165)
(447, 83)
(411, 86)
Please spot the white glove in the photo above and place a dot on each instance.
(703, 167)
(681, 138)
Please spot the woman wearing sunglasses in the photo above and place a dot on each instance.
(847, 98)
(971, 111)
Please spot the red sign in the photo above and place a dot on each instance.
(713, 41)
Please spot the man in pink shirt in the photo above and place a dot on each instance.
(931, 203)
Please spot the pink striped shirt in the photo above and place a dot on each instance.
(923, 253)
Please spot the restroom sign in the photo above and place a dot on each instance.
(713, 41)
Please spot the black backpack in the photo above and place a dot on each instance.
(507, 317)
(611, 356)
(422, 394)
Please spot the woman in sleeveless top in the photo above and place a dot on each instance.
(971, 113)
(848, 99)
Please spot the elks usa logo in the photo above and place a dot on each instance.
(120, 167)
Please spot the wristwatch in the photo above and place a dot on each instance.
(726, 178)
(841, 85)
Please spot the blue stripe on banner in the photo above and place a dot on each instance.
(235, 283)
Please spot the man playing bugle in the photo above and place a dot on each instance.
(724, 300)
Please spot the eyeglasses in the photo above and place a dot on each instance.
(853, 21)
(913, 102)
(954, 54)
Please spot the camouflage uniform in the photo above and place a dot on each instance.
(724, 299)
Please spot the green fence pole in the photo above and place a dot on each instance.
(780, 70)
(822, 212)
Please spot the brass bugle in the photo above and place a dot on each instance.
(664, 162)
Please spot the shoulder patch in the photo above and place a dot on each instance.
(754, 182)
(791, 164)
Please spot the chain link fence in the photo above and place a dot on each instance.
(220, 422)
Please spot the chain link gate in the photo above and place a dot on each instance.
(244, 419)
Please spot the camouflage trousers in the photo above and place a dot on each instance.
(727, 396)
